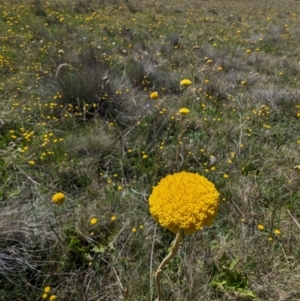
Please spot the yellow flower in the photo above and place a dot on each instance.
(185, 82)
(184, 111)
(93, 221)
(47, 289)
(298, 115)
(260, 227)
(154, 95)
(113, 218)
(52, 298)
(277, 232)
(133, 230)
(184, 201)
(44, 296)
(58, 198)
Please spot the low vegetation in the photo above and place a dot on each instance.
(91, 99)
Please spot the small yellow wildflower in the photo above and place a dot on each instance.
(185, 82)
(144, 156)
(113, 218)
(261, 227)
(93, 221)
(184, 111)
(225, 176)
(270, 238)
(52, 298)
(44, 296)
(298, 115)
(184, 201)
(58, 198)
(220, 68)
(277, 232)
(47, 289)
(243, 82)
(133, 230)
(154, 95)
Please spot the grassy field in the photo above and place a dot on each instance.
(78, 115)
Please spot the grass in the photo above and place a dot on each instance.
(76, 116)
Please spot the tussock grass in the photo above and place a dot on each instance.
(76, 116)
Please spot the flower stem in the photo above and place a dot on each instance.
(176, 168)
(174, 248)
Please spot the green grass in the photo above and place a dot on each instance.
(76, 116)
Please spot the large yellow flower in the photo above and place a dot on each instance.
(184, 201)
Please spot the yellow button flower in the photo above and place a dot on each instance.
(47, 289)
(52, 298)
(277, 232)
(261, 227)
(154, 95)
(185, 82)
(184, 201)
(184, 111)
(58, 198)
(93, 221)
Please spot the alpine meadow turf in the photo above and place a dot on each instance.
(100, 100)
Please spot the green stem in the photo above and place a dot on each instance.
(176, 169)
(174, 248)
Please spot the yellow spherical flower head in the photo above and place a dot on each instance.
(93, 221)
(260, 227)
(185, 82)
(58, 198)
(47, 289)
(184, 201)
(277, 232)
(184, 111)
(154, 95)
